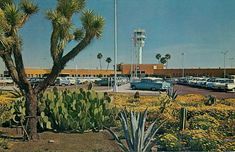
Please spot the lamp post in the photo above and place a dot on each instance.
(182, 64)
(115, 88)
(224, 53)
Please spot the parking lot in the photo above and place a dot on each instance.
(181, 89)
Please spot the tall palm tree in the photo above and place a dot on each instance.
(163, 60)
(168, 57)
(100, 56)
(108, 60)
(158, 57)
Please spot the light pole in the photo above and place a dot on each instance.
(224, 53)
(115, 88)
(182, 64)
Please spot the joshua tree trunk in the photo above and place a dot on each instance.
(31, 114)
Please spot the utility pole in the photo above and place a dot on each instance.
(224, 53)
(182, 64)
(115, 87)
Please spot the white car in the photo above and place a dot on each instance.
(220, 83)
(201, 82)
(6, 80)
(230, 86)
(209, 83)
(72, 80)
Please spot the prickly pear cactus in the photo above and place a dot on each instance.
(75, 111)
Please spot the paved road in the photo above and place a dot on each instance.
(181, 89)
(126, 89)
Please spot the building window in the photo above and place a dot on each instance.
(154, 67)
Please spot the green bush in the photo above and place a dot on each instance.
(203, 122)
(169, 142)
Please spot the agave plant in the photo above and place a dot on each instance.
(137, 138)
(167, 101)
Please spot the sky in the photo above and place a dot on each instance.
(201, 29)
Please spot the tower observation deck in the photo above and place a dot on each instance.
(139, 41)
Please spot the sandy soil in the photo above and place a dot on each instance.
(87, 142)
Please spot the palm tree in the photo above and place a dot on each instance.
(100, 56)
(158, 57)
(163, 60)
(108, 60)
(167, 56)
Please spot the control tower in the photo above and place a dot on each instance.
(139, 41)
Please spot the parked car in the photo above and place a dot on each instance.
(6, 80)
(230, 86)
(220, 83)
(150, 84)
(201, 82)
(209, 83)
(72, 80)
(62, 81)
(35, 81)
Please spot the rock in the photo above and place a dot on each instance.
(51, 141)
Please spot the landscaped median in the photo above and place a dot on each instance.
(207, 124)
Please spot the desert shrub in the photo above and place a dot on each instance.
(203, 122)
(3, 144)
(169, 142)
(200, 140)
(210, 100)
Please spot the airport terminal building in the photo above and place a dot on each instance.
(134, 70)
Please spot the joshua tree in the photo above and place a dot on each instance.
(13, 16)
(158, 57)
(167, 57)
(100, 56)
(108, 60)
